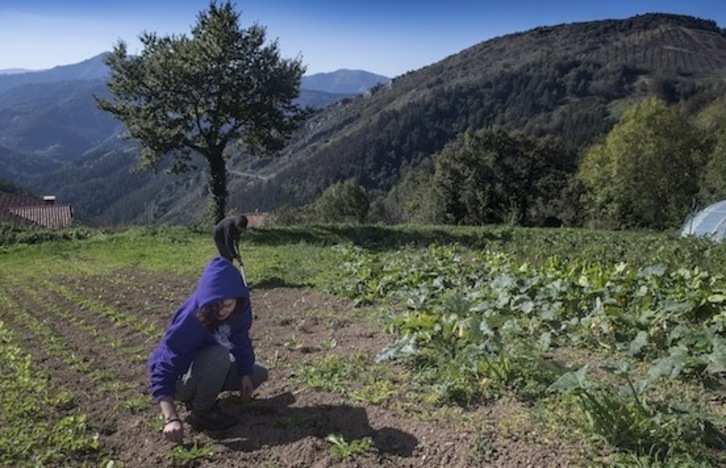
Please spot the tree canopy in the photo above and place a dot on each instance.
(646, 172)
(343, 202)
(198, 95)
(493, 176)
(712, 122)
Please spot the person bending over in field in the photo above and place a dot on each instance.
(226, 237)
(206, 349)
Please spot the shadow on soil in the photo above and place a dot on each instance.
(273, 422)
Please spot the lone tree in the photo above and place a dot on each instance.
(198, 95)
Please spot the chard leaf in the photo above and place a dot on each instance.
(570, 381)
(717, 358)
(641, 339)
(545, 340)
(402, 347)
(655, 270)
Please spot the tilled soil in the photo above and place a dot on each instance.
(286, 424)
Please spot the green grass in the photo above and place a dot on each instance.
(452, 289)
(302, 255)
(179, 251)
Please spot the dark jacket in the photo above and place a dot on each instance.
(185, 335)
(227, 234)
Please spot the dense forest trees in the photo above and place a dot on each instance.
(569, 83)
(646, 172)
(493, 177)
(343, 202)
(656, 165)
(659, 162)
(412, 200)
(8, 186)
(712, 123)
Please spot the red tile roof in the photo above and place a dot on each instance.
(29, 211)
(46, 215)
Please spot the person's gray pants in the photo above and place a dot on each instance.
(211, 373)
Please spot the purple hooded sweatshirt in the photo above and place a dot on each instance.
(185, 336)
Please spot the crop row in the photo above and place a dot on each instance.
(82, 340)
(28, 435)
(44, 301)
(141, 325)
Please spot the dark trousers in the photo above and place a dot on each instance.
(211, 373)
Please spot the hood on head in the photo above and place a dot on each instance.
(220, 280)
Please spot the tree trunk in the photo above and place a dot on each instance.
(217, 186)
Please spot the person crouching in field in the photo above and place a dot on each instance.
(206, 349)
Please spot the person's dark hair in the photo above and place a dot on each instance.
(242, 222)
(208, 315)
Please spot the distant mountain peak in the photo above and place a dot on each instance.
(14, 71)
(93, 68)
(343, 81)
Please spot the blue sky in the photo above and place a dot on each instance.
(387, 37)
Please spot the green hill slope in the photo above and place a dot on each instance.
(570, 80)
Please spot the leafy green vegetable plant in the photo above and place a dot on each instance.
(626, 420)
(344, 450)
(190, 453)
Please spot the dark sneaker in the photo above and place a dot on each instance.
(213, 419)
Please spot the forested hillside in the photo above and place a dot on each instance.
(54, 139)
(570, 82)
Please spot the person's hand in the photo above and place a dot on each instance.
(174, 431)
(246, 388)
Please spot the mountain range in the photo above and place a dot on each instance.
(51, 114)
(571, 81)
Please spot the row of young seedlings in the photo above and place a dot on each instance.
(126, 393)
(80, 269)
(105, 380)
(135, 401)
(121, 319)
(134, 353)
(28, 436)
